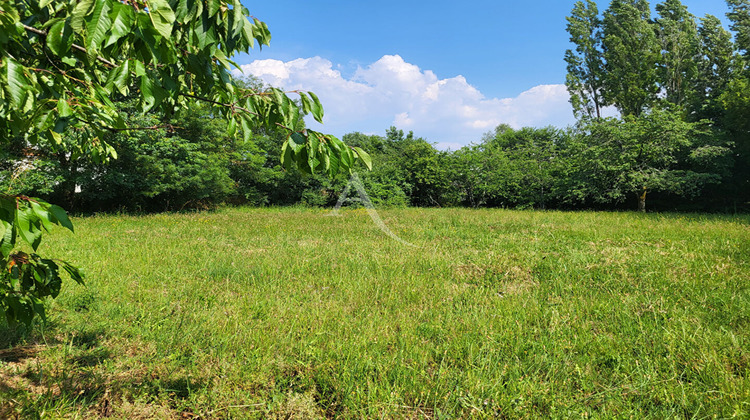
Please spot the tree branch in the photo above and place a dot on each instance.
(169, 127)
(231, 106)
(76, 46)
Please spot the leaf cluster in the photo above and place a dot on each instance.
(27, 279)
(65, 61)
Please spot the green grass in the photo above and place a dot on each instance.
(289, 313)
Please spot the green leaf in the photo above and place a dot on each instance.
(56, 137)
(82, 8)
(297, 142)
(153, 94)
(231, 128)
(287, 156)
(261, 32)
(41, 209)
(29, 228)
(139, 68)
(8, 19)
(97, 28)
(74, 272)
(213, 7)
(63, 108)
(162, 17)
(341, 153)
(44, 119)
(278, 96)
(326, 160)
(223, 59)
(238, 18)
(122, 22)
(312, 149)
(301, 160)
(196, 11)
(333, 164)
(247, 33)
(247, 131)
(306, 103)
(7, 208)
(366, 159)
(335, 144)
(71, 61)
(183, 11)
(316, 108)
(38, 308)
(17, 82)
(60, 38)
(204, 32)
(120, 78)
(347, 158)
(18, 311)
(109, 150)
(8, 240)
(60, 217)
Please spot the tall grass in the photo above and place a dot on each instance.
(290, 313)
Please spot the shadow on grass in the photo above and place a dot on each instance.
(176, 388)
(32, 383)
(12, 336)
(74, 374)
(18, 354)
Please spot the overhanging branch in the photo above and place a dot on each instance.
(230, 106)
(76, 46)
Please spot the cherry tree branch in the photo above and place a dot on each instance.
(76, 46)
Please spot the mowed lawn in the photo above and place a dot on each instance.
(293, 313)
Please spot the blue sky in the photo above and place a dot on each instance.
(447, 70)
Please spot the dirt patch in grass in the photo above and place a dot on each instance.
(129, 410)
(16, 371)
(298, 406)
(508, 279)
(71, 371)
(21, 380)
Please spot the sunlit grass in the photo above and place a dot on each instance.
(289, 312)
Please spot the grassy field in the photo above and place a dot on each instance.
(247, 313)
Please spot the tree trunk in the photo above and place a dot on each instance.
(642, 201)
(543, 203)
(67, 188)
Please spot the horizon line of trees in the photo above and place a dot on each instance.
(681, 86)
(197, 166)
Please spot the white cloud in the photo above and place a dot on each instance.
(391, 91)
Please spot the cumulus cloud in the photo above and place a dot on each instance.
(390, 91)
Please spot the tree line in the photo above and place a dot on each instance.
(681, 87)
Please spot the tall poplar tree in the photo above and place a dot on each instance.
(714, 69)
(740, 17)
(678, 38)
(585, 63)
(631, 52)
